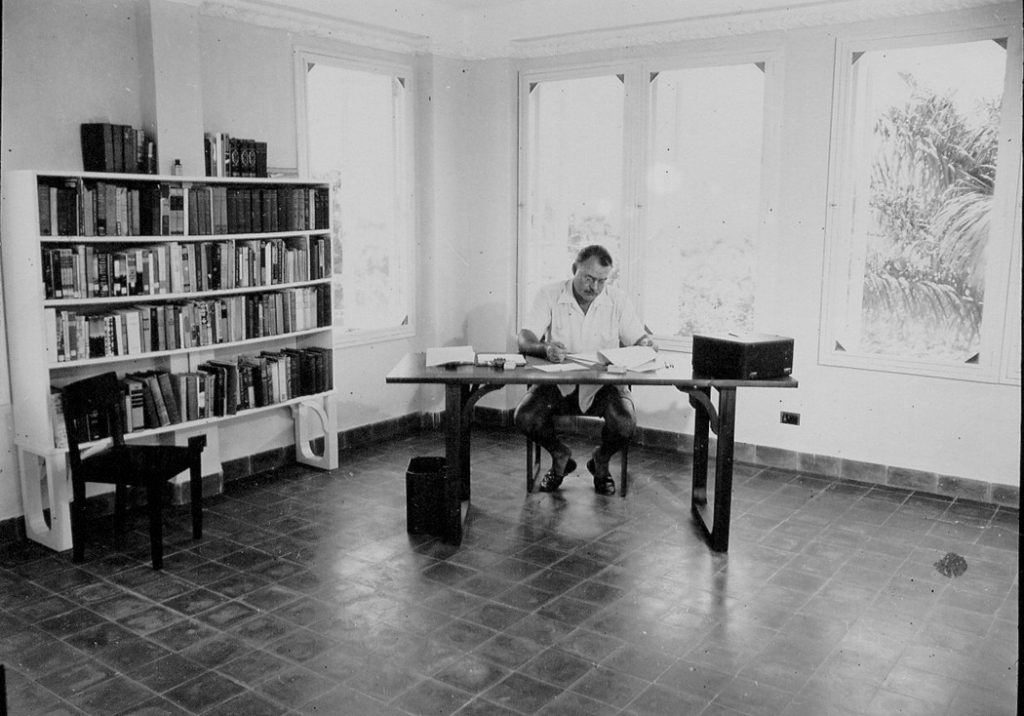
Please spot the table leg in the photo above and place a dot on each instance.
(459, 399)
(456, 462)
(701, 423)
(713, 519)
(723, 469)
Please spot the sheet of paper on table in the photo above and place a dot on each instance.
(560, 367)
(630, 357)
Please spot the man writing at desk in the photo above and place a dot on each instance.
(576, 316)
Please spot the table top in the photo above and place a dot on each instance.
(412, 369)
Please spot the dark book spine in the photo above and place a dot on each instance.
(97, 147)
(261, 159)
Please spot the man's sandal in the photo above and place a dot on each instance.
(603, 484)
(551, 482)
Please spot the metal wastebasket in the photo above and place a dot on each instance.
(424, 483)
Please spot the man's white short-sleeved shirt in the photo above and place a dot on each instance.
(610, 321)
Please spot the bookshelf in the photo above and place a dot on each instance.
(217, 289)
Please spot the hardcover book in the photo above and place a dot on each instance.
(60, 431)
(97, 147)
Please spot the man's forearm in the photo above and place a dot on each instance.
(530, 345)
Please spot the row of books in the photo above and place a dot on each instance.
(110, 147)
(216, 388)
(228, 156)
(91, 271)
(135, 330)
(253, 209)
(76, 207)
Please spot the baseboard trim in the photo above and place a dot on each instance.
(823, 466)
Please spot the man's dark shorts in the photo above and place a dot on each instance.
(570, 404)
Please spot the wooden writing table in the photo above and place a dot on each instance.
(464, 385)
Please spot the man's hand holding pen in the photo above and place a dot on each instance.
(555, 351)
(648, 341)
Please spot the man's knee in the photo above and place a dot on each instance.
(530, 415)
(621, 424)
(524, 420)
(620, 418)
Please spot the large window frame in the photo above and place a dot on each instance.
(636, 74)
(999, 349)
(401, 70)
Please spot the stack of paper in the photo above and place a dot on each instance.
(560, 367)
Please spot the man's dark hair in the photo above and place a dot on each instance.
(593, 251)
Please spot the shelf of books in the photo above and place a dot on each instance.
(209, 297)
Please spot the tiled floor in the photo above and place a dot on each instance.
(306, 596)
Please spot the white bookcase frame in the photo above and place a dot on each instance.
(43, 467)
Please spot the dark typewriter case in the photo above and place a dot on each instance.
(752, 356)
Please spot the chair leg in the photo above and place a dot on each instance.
(77, 520)
(624, 480)
(156, 527)
(120, 502)
(195, 484)
(530, 468)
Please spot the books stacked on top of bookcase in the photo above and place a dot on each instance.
(117, 148)
(228, 156)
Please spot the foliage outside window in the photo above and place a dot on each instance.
(357, 138)
(915, 204)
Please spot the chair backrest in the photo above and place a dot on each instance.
(92, 409)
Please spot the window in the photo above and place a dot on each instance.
(357, 132)
(922, 200)
(662, 166)
(703, 199)
(575, 177)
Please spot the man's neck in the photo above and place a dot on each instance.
(580, 301)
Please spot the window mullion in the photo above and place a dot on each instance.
(634, 168)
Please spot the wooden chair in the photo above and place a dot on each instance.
(533, 465)
(99, 401)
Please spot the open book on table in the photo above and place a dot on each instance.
(635, 358)
(450, 356)
(465, 355)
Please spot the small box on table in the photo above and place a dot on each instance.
(752, 356)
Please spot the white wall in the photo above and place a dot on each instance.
(466, 225)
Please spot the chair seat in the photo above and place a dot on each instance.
(135, 464)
